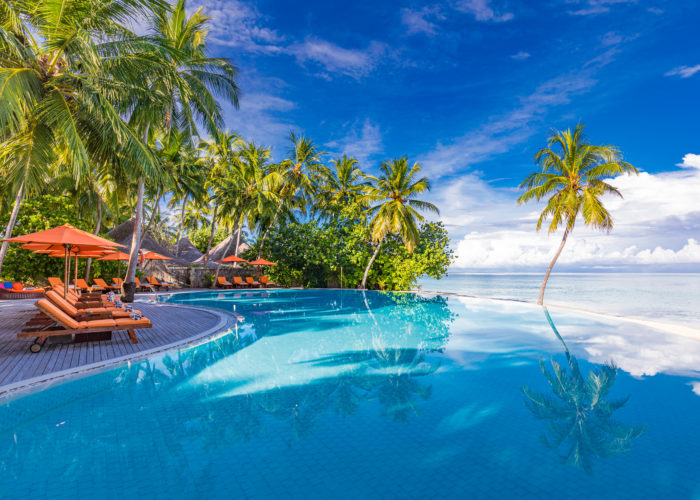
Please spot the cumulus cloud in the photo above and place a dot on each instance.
(684, 71)
(657, 223)
(482, 10)
(363, 140)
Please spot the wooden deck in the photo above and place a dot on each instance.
(171, 324)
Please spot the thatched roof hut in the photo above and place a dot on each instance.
(184, 249)
(224, 249)
(122, 235)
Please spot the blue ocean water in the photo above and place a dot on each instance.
(345, 394)
(665, 297)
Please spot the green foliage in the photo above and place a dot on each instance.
(38, 214)
(200, 237)
(312, 254)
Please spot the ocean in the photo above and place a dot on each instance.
(668, 298)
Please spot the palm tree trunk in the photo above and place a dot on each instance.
(274, 219)
(369, 264)
(149, 227)
(211, 234)
(218, 266)
(11, 224)
(97, 231)
(181, 226)
(129, 284)
(540, 300)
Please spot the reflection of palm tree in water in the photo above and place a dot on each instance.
(580, 419)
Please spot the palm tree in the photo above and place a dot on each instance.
(572, 178)
(188, 79)
(250, 189)
(300, 173)
(57, 88)
(395, 211)
(581, 419)
(220, 157)
(340, 185)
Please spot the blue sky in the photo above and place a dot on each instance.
(470, 89)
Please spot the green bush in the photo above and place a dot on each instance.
(312, 254)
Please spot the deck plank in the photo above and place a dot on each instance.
(170, 324)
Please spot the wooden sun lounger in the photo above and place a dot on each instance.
(251, 282)
(223, 283)
(102, 283)
(143, 285)
(265, 281)
(63, 324)
(237, 281)
(155, 283)
(81, 285)
(20, 293)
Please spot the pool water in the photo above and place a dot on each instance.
(345, 394)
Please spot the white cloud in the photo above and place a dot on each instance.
(657, 223)
(363, 140)
(356, 63)
(684, 71)
(593, 7)
(421, 21)
(521, 56)
(482, 10)
(690, 161)
(235, 23)
(507, 130)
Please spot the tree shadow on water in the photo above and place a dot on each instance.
(580, 418)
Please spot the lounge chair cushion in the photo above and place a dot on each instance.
(8, 285)
(60, 316)
(62, 303)
(99, 323)
(132, 322)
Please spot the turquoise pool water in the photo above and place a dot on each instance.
(332, 394)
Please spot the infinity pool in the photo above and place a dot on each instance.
(329, 393)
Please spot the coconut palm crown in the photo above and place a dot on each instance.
(393, 204)
(572, 180)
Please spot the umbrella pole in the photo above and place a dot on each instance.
(75, 280)
(66, 272)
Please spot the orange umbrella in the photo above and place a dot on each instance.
(154, 256)
(260, 263)
(67, 237)
(119, 257)
(232, 258)
(76, 255)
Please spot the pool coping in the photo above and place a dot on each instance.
(24, 387)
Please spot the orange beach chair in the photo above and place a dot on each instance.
(63, 324)
(223, 283)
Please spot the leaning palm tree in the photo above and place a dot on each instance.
(572, 178)
(58, 85)
(395, 208)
